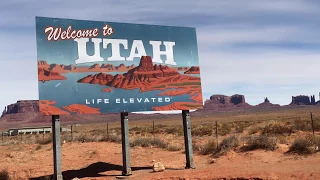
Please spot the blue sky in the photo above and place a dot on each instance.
(251, 47)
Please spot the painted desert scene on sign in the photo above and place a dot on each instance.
(95, 89)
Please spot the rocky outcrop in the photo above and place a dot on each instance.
(144, 76)
(267, 104)
(237, 99)
(23, 107)
(313, 100)
(222, 102)
(193, 70)
(61, 68)
(100, 78)
(300, 100)
(47, 75)
(4, 112)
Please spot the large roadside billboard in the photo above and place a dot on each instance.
(93, 67)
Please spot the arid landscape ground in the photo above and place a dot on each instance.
(268, 144)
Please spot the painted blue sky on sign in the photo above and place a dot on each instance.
(66, 52)
(256, 48)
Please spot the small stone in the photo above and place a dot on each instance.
(211, 161)
(158, 167)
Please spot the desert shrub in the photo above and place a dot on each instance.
(224, 129)
(147, 142)
(195, 146)
(4, 175)
(301, 125)
(209, 148)
(111, 138)
(277, 128)
(301, 146)
(44, 140)
(260, 142)
(282, 139)
(305, 145)
(84, 138)
(226, 145)
(172, 147)
(202, 130)
(254, 129)
(174, 130)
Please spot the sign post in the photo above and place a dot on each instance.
(125, 144)
(187, 139)
(56, 147)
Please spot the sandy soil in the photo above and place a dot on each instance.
(103, 161)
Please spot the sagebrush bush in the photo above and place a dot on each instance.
(260, 142)
(44, 140)
(147, 142)
(209, 148)
(305, 145)
(277, 129)
(301, 146)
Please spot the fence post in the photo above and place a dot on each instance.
(154, 138)
(217, 134)
(312, 124)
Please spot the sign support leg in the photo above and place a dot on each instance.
(187, 139)
(126, 171)
(56, 147)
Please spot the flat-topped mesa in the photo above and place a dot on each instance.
(26, 106)
(300, 100)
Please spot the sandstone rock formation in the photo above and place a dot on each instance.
(267, 104)
(222, 102)
(300, 100)
(23, 107)
(313, 100)
(47, 75)
(145, 76)
(193, 70)
(61, 68)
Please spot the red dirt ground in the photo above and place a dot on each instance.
(91, 160)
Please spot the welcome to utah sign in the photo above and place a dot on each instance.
(92, 67)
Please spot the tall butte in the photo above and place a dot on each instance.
(145, 64)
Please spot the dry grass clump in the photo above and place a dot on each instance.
(305, 145)
(147, 142)
(260, 142)
(110, 138)
(277, 129)
(226, 145)
(4, 175)
(44, 140)
(209, 148)
(203, 130)
(172, 147)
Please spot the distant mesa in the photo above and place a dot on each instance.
(61, 68)
(303, 100)
(47, 75)
(193, 70)
(267, 104)
(219, 101)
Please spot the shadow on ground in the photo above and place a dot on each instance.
(92, 170)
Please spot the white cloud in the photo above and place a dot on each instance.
(221, 27)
